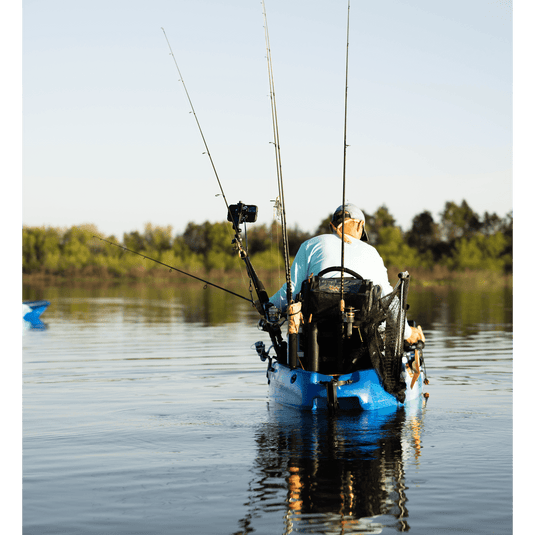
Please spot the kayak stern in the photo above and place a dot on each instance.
(359, 390)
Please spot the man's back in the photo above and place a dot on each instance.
(325, 251)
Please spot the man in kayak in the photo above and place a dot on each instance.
(324, 251)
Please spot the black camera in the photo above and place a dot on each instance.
(241, 213)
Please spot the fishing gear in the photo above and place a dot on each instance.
(174, 268)
(196, 119)
(234, 214)
(293, 308)
(270, 323)
(238, 214)
(276, 144)
(342, 304)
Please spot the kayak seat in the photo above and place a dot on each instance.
(331, 342)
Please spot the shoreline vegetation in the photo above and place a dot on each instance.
(463, 248)
(234, 279)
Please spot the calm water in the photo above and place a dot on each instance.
(145, 412)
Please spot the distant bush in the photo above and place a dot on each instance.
(461, 240)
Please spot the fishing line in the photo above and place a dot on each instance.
(276, 143)
(173, 268)
(197, 121)
(344, 164)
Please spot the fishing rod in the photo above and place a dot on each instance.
(232, 210)
(276, 143)
(196, 120)
(237, 214)
(293, 309)
(174, 268)
(342, 303)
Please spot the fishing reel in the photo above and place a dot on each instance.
(273, 318)
(261, 351)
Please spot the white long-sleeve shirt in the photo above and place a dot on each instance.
(324, 251)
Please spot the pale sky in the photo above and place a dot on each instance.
(108, 137)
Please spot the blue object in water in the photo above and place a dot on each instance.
(32, 310)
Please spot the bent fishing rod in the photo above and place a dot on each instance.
(174, 268)
(232, 214)
(181, 79)
(237, 214)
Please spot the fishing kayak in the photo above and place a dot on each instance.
(360, 390)
(366, 367)
(32, 310)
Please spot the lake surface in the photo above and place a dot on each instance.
(145, 412)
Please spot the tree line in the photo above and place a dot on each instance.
(460, 240)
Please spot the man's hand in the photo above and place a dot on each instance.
(416, 334)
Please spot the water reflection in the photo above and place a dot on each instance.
(155, 302)
(334, 475)
(461, 311)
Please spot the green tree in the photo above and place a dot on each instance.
(491, 224)
(382, 218)
(41, 249)
(424, 233)
(219, 237)
(458, 221)
(480, 252)
(195, 237)
(424, 236)
(31, 260)
(212, 241)
(135, 241)
(158, 238)
(75, 250)
(153, 239)
(394, 251)
(260, 238)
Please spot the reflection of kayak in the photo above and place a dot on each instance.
(343, 474)
(32, 310)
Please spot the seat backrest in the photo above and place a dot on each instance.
(321, 298)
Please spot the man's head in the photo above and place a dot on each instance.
(353, 219)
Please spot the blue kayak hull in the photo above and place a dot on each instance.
(32, 310)
(363, 390)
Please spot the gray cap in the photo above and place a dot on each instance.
(350, 211)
